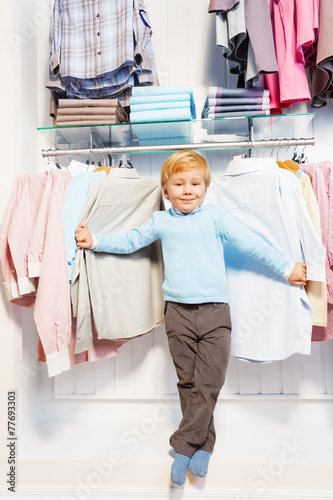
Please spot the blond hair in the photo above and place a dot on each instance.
(183, 161)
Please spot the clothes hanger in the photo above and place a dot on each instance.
(291, 165)
(294, 158)
(127, 163)
(302, 159)
(263, 155)
(57, 164)
(272, 152)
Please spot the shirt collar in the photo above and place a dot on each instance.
(177, 212)
(247, 165)
(128, 173)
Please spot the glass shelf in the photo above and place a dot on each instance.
(194, 132)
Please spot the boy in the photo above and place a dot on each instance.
(197, 318)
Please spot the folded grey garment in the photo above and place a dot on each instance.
(221, 5)
(86, 117)
(79, 103)
(88, 111)
(76, 123)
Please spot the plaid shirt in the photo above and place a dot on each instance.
(92, 47)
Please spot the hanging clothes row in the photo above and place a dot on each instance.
(271, 44)
(244, 32)
(38, 253)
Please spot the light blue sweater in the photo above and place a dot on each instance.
(192, 247)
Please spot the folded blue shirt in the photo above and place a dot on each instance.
(166, 90)
(151, 106)
(161, 115)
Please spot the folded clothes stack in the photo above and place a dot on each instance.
(223, 102)
(74, 112)
(162, 104)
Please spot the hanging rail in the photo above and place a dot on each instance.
(270, 143)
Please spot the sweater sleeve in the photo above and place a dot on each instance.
(245, 240)
(128, 242)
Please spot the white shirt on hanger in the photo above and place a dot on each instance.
(271, 318)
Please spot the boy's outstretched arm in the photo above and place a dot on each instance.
(298, 274)
(83, 237)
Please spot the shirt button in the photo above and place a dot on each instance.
(99, 53)
(97, 15)
(98, 33)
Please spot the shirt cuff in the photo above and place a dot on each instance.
(316, 273)
(12, 291)
(58, 362)
(54, 64)
(26, 285)
(34, 269)
(288, 271)
(95, 242)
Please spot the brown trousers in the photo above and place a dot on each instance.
(199, 337)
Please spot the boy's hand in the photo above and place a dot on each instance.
(298, 274)
(83, 237)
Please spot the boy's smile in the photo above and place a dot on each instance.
(185, 190)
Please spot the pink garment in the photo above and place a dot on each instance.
(36, 247)
(19, 235)
(100, 349)
(320, 333)
(322, 182)
(307, 29)
(327, 169)
(52, 312)
(290, 84)
(7, 267)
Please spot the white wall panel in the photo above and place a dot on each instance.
(124, 376)
(270, 376)
(249, 378)
(313, 370)
(104, 377)
(143, 356)
(292, 375)
(84, 378)
(176, 40)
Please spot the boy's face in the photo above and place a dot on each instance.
(185, 190)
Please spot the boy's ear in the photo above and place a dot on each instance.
(165, 192)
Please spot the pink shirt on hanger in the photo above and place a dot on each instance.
(290, 84)
(19, 235)
(7, 267)
(321, 175)
(52, 312)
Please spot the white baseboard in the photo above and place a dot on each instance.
(69, 493)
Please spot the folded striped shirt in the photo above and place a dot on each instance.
(247, 109)
(231, 101)
(219, 92)
(238, 113)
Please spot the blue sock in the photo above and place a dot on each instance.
(179, 468)
(198, 464)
